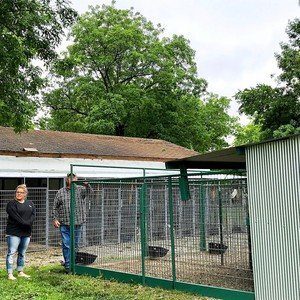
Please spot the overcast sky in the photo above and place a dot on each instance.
(234, 40)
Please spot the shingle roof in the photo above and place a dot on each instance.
(70, 144)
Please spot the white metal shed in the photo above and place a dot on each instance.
(273, 179)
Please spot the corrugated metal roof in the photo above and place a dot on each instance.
(70, 144)
(230, 158)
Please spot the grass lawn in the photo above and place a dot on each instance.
(49, 282)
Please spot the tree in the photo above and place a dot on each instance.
(250, 133)
(121, 77)
(277, 110)
(215, 123)
(29, 31)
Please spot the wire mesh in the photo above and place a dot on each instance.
(142, 226)
(44, 235)
(112, 227)
(216, 250)
(204, 240)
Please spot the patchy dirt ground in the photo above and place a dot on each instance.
(50, 256)
(192, 265)
(201, 269)
(38, 257)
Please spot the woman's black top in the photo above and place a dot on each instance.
(20, 217)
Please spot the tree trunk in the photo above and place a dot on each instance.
(120, 130)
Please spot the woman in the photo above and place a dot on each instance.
(21, 214)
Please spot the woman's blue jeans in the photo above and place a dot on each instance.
(66, 242)
(16, 244)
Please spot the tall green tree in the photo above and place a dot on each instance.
(29, 31)
(250, 133)
(277, 110)
(121, 77)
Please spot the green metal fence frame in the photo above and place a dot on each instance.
(203, 290)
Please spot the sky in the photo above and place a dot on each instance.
(234, 40)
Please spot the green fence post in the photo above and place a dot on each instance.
(202, 217)
(248, 234)
(72, 223)
(143, 227)
(171, 210)
(221, 221)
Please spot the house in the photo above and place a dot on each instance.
(42, 158)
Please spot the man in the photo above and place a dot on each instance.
(61, 215)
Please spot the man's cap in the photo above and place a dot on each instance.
(70, 174)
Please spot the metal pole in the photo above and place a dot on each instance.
(166, 213)
(150, 213)
(248, 232)
(202, 217)
(119, 214)
(194, 211)
(221, 222)
(143, 230)
(136, 233)
(143, 227)
(102, 216)
(171, 210)
(72, 223)
(47, 214)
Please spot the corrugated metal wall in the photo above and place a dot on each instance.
(274, 202)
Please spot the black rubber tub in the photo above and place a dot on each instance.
(157, 251)
(84, 258)
(217, 248)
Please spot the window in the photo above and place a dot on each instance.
(10, 183)
(55, 183)
(36, 182)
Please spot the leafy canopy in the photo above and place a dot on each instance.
(29, 30)
(277, 110)
(121, 77)
(250, 133)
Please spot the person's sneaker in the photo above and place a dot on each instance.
(22, 274)
(68, 271)
(11, 277)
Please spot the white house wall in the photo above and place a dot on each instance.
(40, 167)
